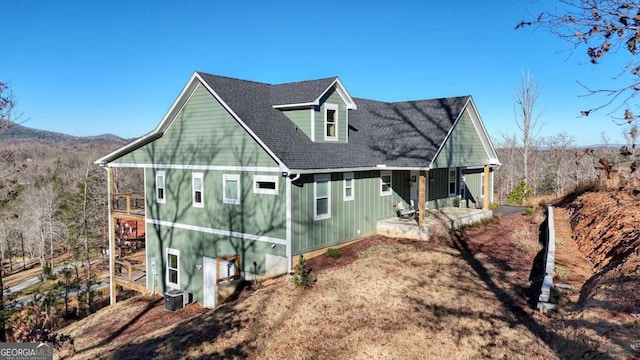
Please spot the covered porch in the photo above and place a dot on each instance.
(451, 217)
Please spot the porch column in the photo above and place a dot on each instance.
(485, 195)
(112, 236)
(422, 187)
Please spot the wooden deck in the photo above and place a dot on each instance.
(130, 276)
(451, 217)
(128, 206)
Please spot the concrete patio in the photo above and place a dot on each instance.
(451, 217)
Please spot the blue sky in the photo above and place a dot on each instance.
(89, 67)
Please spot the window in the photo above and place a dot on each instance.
(265, 184)
(160, 187)
(228, 268)
(173, 268)
(482, 186)
(385, 183)
(331, 122)
(322, 197)
(348, 186)
(198, 189)
(453, 179)
(231, 189)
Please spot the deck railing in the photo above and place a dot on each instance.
(128, 203)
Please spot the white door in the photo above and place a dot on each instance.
(413, 187)
(209, 286)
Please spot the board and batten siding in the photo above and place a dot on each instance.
(331, 97)
(256, 214)
(302, 119)
(464, 147)
(193, 246)
(349, 220)
(202, 133)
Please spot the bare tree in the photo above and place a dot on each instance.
(600, 28)
(527, 119)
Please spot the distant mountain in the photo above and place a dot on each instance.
(20, 133)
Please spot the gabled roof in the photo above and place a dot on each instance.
(400, 134)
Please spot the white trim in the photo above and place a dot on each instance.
(265, 178)
(297, 105)
(112, 257)
(348, 176)
(316, 179)
(175, 252)
(220, 232)
(346, 128)
(180, 102)
(225, 199)
(162, 200)
(390, 191)
(199, 167)
(342, 91)
(288, 223)
(194, 176)
(455, 186)
(313, 124)
(146, 245)
(336, 123)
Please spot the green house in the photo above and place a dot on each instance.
(241, 177)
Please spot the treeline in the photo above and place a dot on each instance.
(556, 166)
(54, 201)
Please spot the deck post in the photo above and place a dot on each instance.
(112, 237)
(422, 187)
(485, 195)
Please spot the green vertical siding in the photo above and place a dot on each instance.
(331, 97)
(439, 188)
(349, 219)
(203, 133)
(193, 246)
(257, 214)
(464, 147)
(302, 119)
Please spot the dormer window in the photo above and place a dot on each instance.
(331, 122)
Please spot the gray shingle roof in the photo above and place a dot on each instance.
(299, 92)
(404, 134)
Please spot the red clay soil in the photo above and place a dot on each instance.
(606, 227)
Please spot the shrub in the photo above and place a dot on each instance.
(304, 277)
(456, 202)
(494, 206)
(519, 194)
(529, 211)
(335, 254)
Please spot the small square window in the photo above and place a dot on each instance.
(231, 189)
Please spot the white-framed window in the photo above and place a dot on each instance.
(322, 197)
(265, 184)
(231, 189)
(453, 181)
(173, 268)
(160, 187)
(197, 184)
(385, 183)
(348, 187)
(331, 122)
(228, 268)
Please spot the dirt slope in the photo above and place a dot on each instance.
(606, 228)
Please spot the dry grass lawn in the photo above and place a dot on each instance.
(398, 300)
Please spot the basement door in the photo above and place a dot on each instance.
(209, 286)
